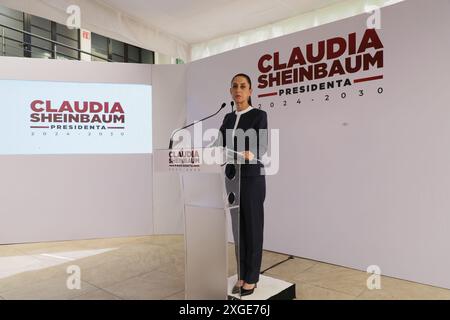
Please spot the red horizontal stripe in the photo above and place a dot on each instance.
(267, 95)
(368, 79)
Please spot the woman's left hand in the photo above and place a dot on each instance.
(248, 155)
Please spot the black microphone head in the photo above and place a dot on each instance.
(232, 103)
(223, 106)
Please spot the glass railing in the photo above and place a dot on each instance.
(26, 46)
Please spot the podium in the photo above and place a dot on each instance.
(210, 183)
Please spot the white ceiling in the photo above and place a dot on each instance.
(194, 21)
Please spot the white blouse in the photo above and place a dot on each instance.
(238, 116)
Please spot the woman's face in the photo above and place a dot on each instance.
(240, 90)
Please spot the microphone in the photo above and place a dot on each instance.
(189, 125)
(232, 105)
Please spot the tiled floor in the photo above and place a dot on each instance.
(153, 268)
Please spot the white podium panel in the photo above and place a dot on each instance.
(207, 197)
(206, 254)
(203, 190)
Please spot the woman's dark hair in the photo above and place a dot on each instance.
(249, 83)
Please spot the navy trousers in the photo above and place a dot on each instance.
(251, 227)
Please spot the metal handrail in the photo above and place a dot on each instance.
(3, 42)
(34, 46)
(45, 39)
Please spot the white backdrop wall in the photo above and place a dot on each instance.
(169, 110)
(66, 197)
(363, 180)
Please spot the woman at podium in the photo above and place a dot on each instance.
(253, 184)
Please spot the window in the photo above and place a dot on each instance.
(26, 35)
(11, 41)
(105, 48)
(134, 54)
(70, 38)
(99, 47)
(41, 48)
(148, 56)
(118, 51)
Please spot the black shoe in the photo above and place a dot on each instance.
(246, 292)
(236, 289)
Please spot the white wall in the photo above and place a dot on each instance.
(64, 197)
(169, 113)
(362, 181)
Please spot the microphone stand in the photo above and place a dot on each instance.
(195, 122)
